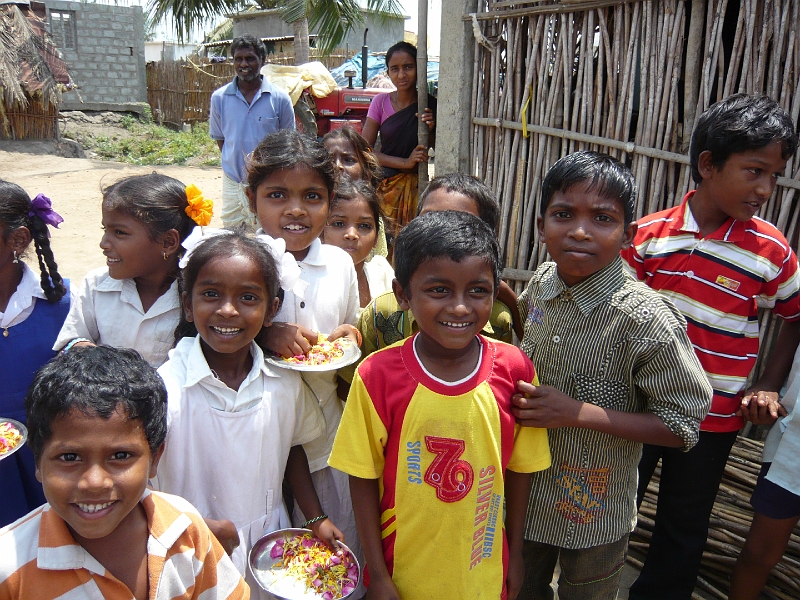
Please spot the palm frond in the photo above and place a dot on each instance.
(334, 19)
(187, 15)
(24, 53)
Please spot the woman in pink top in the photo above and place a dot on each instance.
(394, 115)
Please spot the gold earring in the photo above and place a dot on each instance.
(165, 256)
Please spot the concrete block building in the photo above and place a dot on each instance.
(103, 46)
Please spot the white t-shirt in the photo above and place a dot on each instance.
(331, 299)
(109, 311)
(782, 446)
(23, 300)
(379, 276)
(229, 462)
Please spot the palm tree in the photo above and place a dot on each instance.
(333, 18)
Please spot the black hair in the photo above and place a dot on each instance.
(373, 173)
(401, 47)
(15, 212)
(458, 183)
(225, 245)
(157, 201)
(449, 233)
(287, 149)
(252, 42)
(349, 190)
(607, 177)
(96, 380)
(737, 124)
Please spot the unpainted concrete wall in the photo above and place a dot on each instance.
(108, 63)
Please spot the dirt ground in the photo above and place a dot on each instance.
(73, 184)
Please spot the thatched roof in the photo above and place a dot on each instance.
(29, 60)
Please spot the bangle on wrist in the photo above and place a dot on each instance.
(69, 346)
(358, 335)
(322, 517)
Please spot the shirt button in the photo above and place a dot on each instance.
(690, 274)
(645, 312)
(556, 339)
(302, 305)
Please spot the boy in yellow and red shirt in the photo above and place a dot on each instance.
(427, 435)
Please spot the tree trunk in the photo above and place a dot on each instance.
(301, 52)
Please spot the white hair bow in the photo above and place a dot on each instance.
(288, 269)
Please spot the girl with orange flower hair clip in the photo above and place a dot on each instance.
(133, 301)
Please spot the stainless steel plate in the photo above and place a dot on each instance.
(351, 354)
(271, 580)
(22, 429)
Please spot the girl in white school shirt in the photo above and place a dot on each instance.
(133, 301)
(291, 180)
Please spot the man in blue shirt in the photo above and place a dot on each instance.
(242, 114)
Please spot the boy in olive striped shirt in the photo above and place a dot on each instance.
(617, 369)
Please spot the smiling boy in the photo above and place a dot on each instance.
(616, 370)
(97, 422)
(719, 264)
(427, 434)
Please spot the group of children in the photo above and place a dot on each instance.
(447, 462)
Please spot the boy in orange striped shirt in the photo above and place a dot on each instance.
(97, 418)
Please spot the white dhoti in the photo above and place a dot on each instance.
(236, 206)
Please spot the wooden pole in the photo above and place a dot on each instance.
(422, 87)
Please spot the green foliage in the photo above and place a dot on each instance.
(150, 144)
(147, 114)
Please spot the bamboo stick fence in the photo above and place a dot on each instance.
(624, 77)
(730, 522)
(30, 122)
(179, 92)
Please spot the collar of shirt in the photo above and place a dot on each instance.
(314, 257)
(58, 550)
(22, 298)
(233, 89)
(130, 295)
(223, 397)
(589, 293)
(730, 231)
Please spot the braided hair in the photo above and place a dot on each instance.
(15, 212)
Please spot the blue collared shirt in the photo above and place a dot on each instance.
(244, 125)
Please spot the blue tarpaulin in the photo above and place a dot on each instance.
(376, 65)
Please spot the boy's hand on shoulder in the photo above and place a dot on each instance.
(287, 339)
(544, 406)
(226, 534)
(516, 575)
(761, 407)
(382, 588)
(326, 531)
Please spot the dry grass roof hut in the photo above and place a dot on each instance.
(32, 73)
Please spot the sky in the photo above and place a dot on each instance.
(434, 21)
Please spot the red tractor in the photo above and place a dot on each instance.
(344, 106)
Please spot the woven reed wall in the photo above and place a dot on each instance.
(31, 122)
(180, 91)
(624, 95)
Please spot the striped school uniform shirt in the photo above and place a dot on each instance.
(615, 343)
(40, 560)
(719, 282)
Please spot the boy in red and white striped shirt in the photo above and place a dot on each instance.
(97, 418)
(719, 264)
